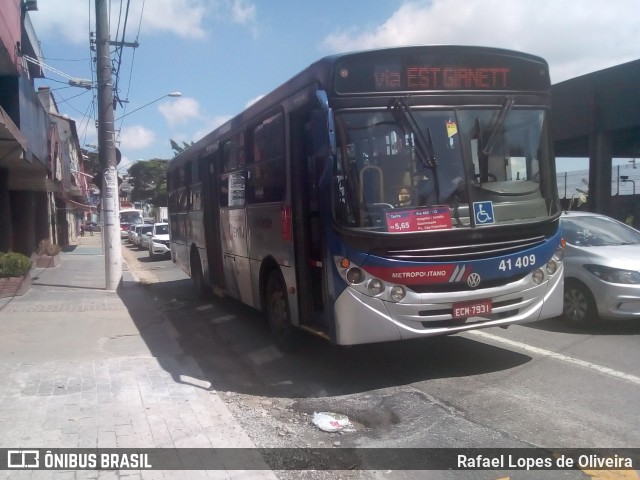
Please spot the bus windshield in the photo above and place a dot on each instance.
(130, 216)
(425, 169)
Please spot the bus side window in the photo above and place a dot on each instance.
(224, 190)
(266, 179)
(233, 153)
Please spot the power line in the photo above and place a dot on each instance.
(76, 82)
(133, 57)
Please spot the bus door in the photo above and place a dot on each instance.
(308, 236)
(233, 219)
(211, 220)
(233, 224)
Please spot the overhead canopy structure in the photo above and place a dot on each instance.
(598, 116)
(12, 141)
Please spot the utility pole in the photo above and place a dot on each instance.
(107, 152)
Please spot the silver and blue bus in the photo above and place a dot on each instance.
(380, 195)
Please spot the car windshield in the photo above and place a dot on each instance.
(597, 231)
(394, 165)
(162, 230)
(147, 229)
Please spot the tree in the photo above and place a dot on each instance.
(149, 180)
(91, 166)
(177, 148)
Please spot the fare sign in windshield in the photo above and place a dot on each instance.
(421, 220)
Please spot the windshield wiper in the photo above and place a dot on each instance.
(424, 145)
(498, 124)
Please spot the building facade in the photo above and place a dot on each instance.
(43, 189)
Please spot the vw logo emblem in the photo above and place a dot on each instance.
(473, 280)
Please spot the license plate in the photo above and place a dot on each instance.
(472, 309)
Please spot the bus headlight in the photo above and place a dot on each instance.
(375, 287)
(355, 276)
(552, 267)
(538, 276)
(397, 293)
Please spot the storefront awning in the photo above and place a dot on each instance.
(12, 141)
(74, 204)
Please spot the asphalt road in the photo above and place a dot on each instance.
(543, 384)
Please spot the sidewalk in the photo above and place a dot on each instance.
(77, 371)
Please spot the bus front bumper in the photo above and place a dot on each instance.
(364, 319)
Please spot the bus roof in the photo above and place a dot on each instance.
(321, 73)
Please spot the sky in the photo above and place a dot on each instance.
(222, 55)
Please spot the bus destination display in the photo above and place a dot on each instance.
(392, 77)
(437, 73)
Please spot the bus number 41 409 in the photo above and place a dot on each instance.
(517, 263)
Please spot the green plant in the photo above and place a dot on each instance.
(45, 247)
(14, 264)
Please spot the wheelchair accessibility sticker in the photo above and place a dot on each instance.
(483, 212)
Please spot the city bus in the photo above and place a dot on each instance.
(380, 195)
(128, 216)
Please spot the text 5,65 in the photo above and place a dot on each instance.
(517, 263)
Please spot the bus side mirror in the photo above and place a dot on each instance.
(329, 127)
(319, 137)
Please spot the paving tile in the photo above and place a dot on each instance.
(99, 389)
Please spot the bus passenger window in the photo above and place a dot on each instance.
(233, 152)
(266, 173)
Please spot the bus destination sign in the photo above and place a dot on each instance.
(455, 72)
(427, 77)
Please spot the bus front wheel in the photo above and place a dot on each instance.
(278, 314)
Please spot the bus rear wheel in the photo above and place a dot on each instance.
(278, 314)
(202, 290)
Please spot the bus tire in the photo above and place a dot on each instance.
(278, 313)
(202, 289)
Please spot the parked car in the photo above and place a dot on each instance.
(159, 243)
(142, 235)
(131, 234)
(602, 268)
(134, 232)
(92, 227)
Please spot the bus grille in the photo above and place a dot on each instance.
(453, 253)
(462, 286)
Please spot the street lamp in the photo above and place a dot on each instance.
(172, 94)
(625, 179)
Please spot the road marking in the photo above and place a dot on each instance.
(612, 474)
(604, 475)
(558, 356)
(594, 474)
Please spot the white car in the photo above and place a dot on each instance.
(601, 269)
(135, 233)
(159, 242)
(131, 234)
(142, 236)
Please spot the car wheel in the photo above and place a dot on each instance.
(579, 306)
(277, 308)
